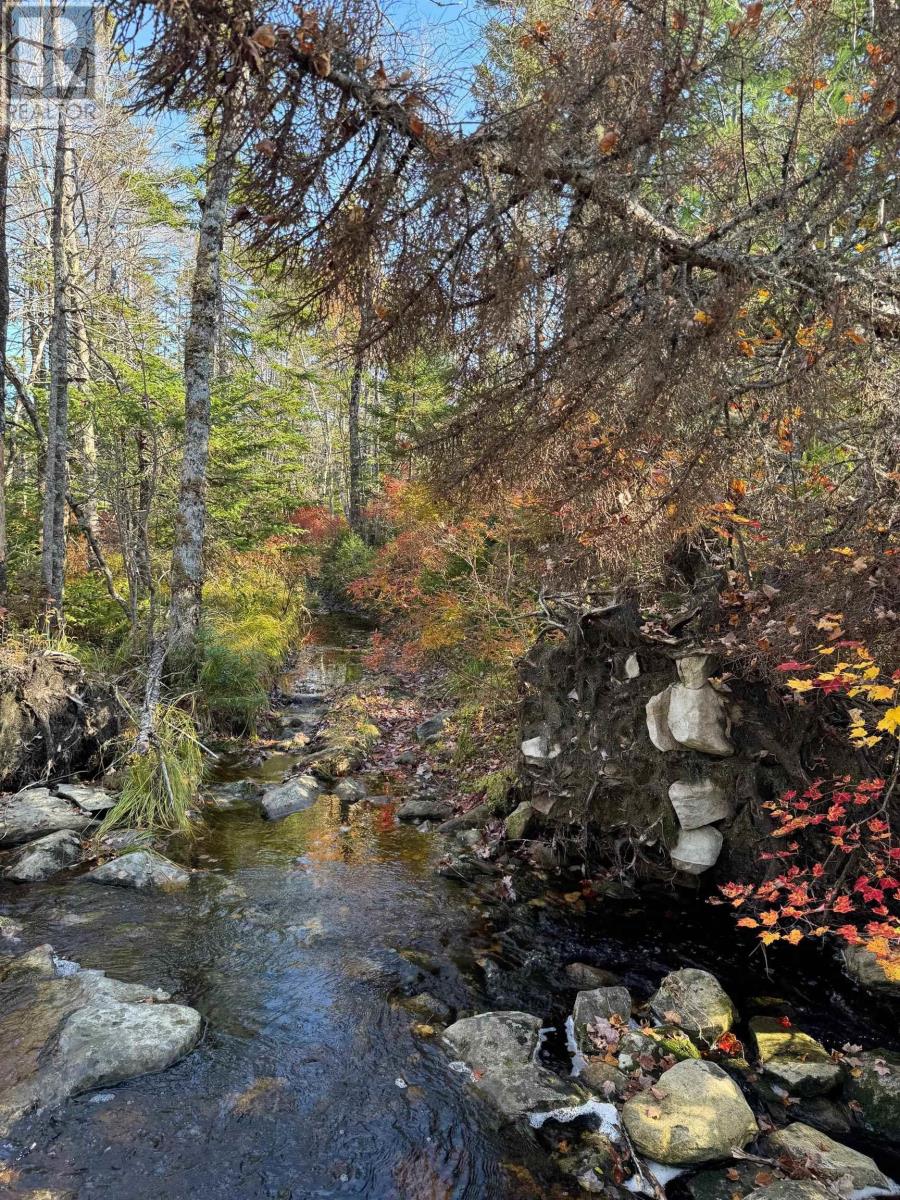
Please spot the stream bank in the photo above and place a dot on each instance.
(325, 952)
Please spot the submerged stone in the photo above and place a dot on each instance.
(424, 809)
(294, 795)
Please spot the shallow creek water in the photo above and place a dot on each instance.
(296, 943)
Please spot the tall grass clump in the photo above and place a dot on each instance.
(159, 786)
(254, 617)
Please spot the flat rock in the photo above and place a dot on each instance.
(874, 1086)
(701, 1116)
(794, 1059)
(792, 1189)
(294, 795)
(140, 869)
(696, 720)
(499, 1049)
(657, 711)
(423, 809)
(41, 859)
(830, 1160)
(696, 1002)
(65, 1034)
(699, 802)
(88, 797)
(601, 1002)
(696, 850)
(35, 812)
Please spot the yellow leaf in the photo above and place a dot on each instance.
(890, 722)
(702, 318)
(800, 685)
(794, 937)
(767, 937)
(881, 692)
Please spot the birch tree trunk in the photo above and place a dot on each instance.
(53, 551)
(5, 87)
(199, 354)
(354, 483)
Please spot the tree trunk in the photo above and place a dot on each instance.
(53, 552)
(354, 510)
(199, 352)
(5, 83)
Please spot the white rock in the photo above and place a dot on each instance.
(658, 721)
(694, 669)
(696, 720)
(535, 747)
(632, 667)
(699, 802)
(697, 849)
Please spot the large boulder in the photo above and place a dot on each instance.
(35, 812)
(41, 859)
(140, 869)
(874, 1088)
(794, 1059)
(499, 1050)
(829, 1160)
(696, 850)
(88, 797)
(696, 720)
(699, 802)
(696, 1113)
(696, 1002)
(294, 795)
(67, 1033)
(602, 1003)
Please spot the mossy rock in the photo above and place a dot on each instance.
(674, 1041)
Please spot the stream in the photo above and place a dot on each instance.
(298, 942)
